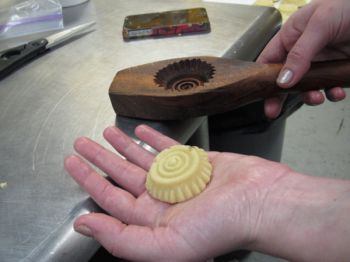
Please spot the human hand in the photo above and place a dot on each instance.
(227, 215)
(318, 31)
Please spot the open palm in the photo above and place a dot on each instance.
(222, 218)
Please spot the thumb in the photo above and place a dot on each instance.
(299, 58)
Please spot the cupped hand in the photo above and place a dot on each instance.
(224, 217)
(317, 31)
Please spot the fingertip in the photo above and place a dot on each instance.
(270, 113)
(296, 65)
(262, 59)
(81, 225)
(98, 225)
(272, 108)
(285, 78)
(109, 131)
(313, 98)
(80, 142)
(81, 220)
(84, 230)
(142, 129)
(145, 130)
(335, 94)
(73, 165)
(70, 160)
(67, 159)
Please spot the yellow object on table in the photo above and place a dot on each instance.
(287, 10)
(178, 174)
(265, 2)
(286, 7)
(294, 2)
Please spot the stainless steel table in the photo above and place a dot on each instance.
(53, 100)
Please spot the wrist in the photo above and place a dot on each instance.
(305, 218)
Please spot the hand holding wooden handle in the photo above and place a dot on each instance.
(195, 86)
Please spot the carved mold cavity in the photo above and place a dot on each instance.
(184, 74)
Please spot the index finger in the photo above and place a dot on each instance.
(159, 141)
(274, 52)
(154, 138)
(133, 152)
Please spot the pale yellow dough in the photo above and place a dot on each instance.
(178, 174)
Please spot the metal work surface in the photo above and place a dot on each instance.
(62, 95)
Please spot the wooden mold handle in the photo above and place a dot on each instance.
(323, 75)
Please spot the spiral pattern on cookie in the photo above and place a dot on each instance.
(178, 173)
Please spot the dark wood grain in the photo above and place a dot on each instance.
(140, 93)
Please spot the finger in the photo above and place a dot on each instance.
(295, 26)
(335, 94)
(116, 201)
(128, 148)
(159, 141)
(313, 98)
(136, 243)
(277, 49)
(273, 107)
(274, 52)
(154, 138)
(130, 177)
(300, 56)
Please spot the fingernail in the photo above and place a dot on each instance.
(82, 229)
(285, 76)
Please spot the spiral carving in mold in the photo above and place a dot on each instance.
(184, 75)
(178, 174)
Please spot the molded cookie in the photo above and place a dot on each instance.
(178, 174)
